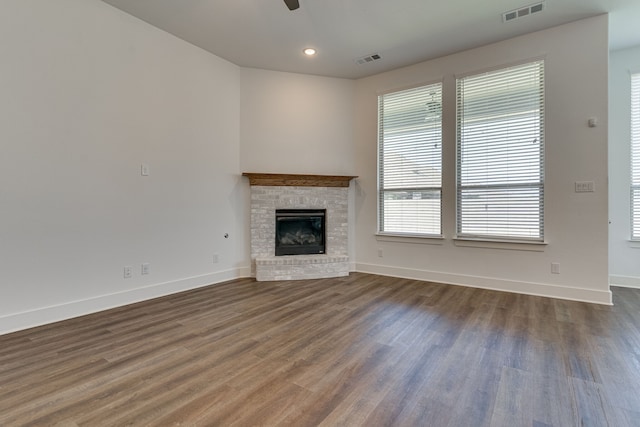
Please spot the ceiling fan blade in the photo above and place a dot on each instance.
(292, 4)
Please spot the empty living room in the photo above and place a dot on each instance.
(320, 212)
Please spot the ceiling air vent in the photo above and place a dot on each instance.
(368, 58)
(522, 12)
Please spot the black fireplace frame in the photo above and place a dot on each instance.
(314, 217)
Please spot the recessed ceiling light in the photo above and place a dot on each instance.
(309, 51)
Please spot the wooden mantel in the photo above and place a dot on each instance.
(290, 180)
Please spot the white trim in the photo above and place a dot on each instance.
(19, 321)
(423, 239)
(512, 245)
(625, 281)
(411, 86)
(501, 66)
(634, 155)
(527, 288)
(471, 174)
(42, 316)
(399, 125)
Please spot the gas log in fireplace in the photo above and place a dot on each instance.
(300, 231)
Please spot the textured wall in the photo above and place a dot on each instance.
(266, 199)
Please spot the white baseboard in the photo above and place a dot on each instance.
(625, 281)
(45, 315)
(538, 289)
(42, 316)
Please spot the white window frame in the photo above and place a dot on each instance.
(635, 157)
(420, 215)
(513, 199)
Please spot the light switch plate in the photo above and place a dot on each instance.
(584, 187)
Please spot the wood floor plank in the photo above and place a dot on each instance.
(330, 394)
(592, 407)
(361, 350)
(513, 405)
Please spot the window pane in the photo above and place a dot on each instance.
(502, 150)
(410, 160)
(500, 153)
(415, 212)
(501, 212)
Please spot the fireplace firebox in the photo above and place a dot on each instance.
(300, 231)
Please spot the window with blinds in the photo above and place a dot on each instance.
(500, 154)
(635, 156)
(410, 161)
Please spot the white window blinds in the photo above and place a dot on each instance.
(500, 157)
(635, 156)
(410, 161)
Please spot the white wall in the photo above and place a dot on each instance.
(576, 58)
(294, 123)
(299, 124)
(624, 255)
(87, 94)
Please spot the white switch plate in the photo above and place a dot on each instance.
(144, 269)
(555, 268)
(144, 169)
(584, 187)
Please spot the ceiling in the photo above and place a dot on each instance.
(266, 34)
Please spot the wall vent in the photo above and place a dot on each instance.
(368, 58)
(522, 12)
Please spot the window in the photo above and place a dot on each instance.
(635, 156)
(500, 154)
(410, 161)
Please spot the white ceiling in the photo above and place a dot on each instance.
(265, 34)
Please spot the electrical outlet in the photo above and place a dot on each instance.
(128, 272)
(584, 187)
(144, 169)
(144, 269)
(380, 253)
(215, 258)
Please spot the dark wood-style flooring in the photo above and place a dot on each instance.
(362, 350)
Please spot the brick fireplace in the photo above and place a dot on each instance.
(271, 192)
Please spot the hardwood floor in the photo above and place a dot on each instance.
(362, 350)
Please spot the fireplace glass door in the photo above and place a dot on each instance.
(300, 231)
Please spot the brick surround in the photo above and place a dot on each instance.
(265, 199)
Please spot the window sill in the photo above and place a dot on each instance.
(420, 239)
(513, 245)
(634, 244)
